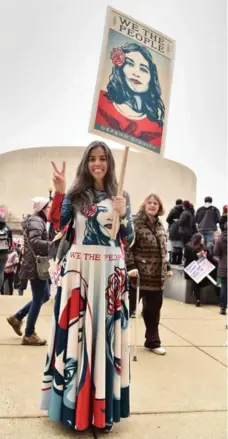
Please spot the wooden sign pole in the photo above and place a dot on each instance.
(115, 224)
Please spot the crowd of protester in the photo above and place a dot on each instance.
(11, 257)
(193, 235)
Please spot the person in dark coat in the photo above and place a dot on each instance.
(207, 219)
(35, 243)
(220, 251)
(6, 242)
(20, 284)
(174, 236)
(223, 219)
(210, 248)
(9, 271)
(186, 223)
(195, 250)
(175, 212)
(192, 209)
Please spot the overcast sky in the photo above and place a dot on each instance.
(49, 53)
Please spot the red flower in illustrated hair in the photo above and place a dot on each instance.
(122, 278)
(117, 57)
(89, 211)
(116, 287)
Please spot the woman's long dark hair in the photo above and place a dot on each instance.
(119, 92)
(81, 192)
(93, 233)
(195, 242)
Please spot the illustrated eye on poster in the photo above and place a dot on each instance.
(132, 94)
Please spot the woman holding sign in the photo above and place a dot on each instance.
(86, 378)
(195, 250)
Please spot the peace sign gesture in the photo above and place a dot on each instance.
(59, 179)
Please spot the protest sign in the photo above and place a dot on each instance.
(132, 94)
(200, 269)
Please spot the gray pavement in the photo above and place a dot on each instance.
(179, 396)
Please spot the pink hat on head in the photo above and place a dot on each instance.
(38, 203)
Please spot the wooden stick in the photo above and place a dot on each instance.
(115, 224)
(135, 357)
(211, 279)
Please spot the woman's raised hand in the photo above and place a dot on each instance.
(59, 178)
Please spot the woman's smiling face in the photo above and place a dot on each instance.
(152, 206)
(98, 165)
(137, 72)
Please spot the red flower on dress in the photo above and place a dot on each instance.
(117, 57)
(116, 287)
(89, 211)
(122, 278)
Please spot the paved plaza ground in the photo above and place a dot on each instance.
(182, 395)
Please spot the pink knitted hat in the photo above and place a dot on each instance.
(39, 203)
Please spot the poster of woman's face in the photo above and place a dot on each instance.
(134, 82)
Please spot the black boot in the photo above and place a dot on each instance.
(173, 258)
(179, 253)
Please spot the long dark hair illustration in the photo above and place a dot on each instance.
(148, 102)
(94, 232)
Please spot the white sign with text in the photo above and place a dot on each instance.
(200, 269)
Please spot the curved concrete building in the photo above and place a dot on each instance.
(27, 173)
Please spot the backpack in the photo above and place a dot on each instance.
(174, 234)
(4, 242)
(12, 262)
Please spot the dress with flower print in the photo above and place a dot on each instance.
(86, 376)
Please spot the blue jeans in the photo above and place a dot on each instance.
(40, 295)
(208, 237)
(223, 293)
(22, 286)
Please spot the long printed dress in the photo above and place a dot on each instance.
(86, 377)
